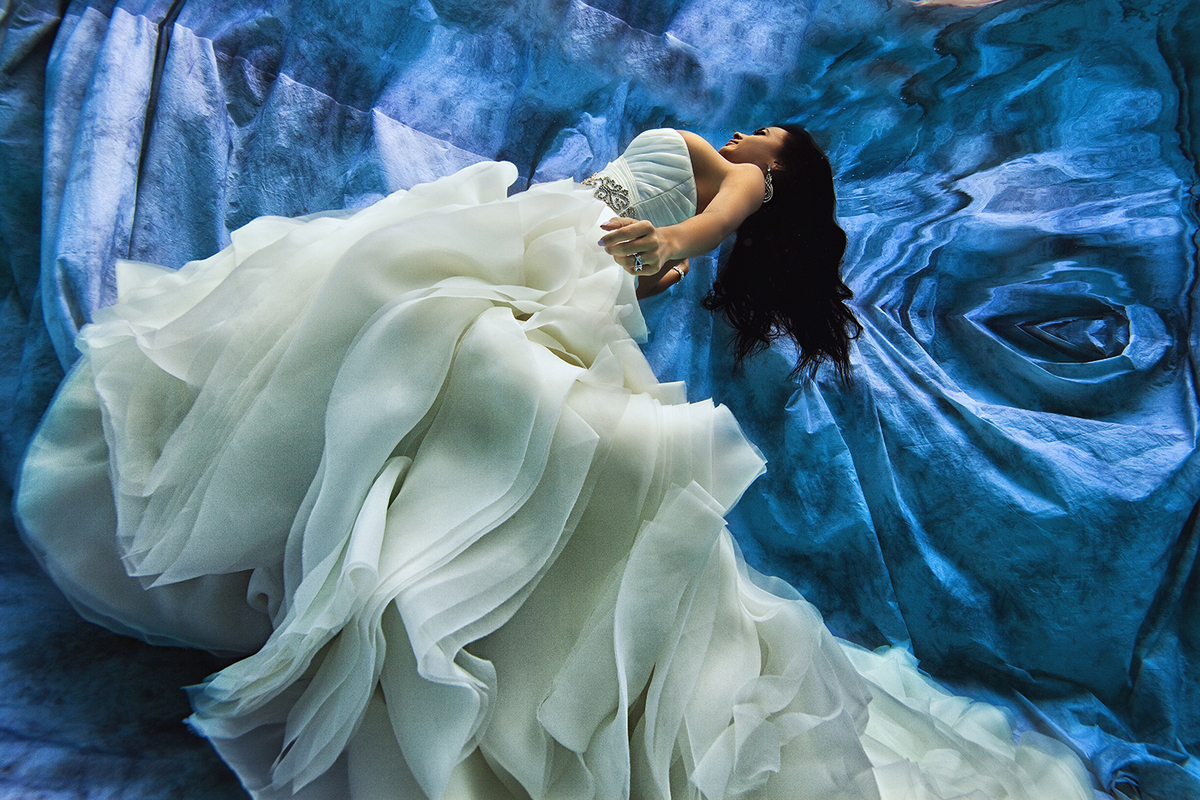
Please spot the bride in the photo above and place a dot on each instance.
(411, 464)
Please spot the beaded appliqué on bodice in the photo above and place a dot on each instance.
(609, 192)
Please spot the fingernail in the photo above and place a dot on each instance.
(601, 243)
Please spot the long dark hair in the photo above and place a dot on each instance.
(782, 279)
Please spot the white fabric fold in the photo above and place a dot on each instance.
(412, 461)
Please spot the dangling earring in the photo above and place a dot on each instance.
(770, 189)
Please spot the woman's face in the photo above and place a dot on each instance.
(761, 147)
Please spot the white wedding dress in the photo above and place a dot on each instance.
(411, 461)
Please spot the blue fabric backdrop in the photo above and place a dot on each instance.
(1010, 485)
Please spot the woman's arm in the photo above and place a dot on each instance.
(726, 193)
(671, 274)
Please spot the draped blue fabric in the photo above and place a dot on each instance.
(1011, 482)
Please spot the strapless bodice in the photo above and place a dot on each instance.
(651, 180)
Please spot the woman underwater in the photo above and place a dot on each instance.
(411, 463)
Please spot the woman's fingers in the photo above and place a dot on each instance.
(621, 232)
(632, 248)
(617, 222)
(641, 264)
(632, 244)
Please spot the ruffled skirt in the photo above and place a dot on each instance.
(412, 462)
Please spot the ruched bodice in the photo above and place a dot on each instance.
(651, 180)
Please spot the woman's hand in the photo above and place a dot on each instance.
(631, 240)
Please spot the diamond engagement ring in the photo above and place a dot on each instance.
(637, 263)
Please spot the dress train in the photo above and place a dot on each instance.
(412, 462)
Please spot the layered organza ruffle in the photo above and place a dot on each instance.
(412, 461)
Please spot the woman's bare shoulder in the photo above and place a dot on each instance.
(701, 152)
(712, 171)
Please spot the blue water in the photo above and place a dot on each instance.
(1007, 485)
